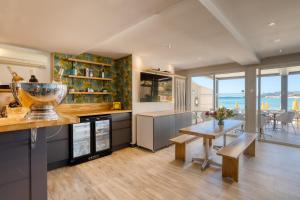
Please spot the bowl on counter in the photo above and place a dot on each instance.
(41, 98)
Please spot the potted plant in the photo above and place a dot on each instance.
(221, 114)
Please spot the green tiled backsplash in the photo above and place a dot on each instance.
(120, 72)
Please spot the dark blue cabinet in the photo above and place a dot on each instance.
(23, 168)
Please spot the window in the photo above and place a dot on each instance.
(293, 91)
(271, 92)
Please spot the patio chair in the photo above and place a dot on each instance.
(204, 117)
(239, 116)
(264, 120)
(194, 117)
(297, 117)
(286, 119)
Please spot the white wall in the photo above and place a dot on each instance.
(205, 98)
(8, 51)
(13, 52)
(141, 107)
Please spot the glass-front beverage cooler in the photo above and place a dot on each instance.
(102, 135)
(90, 139)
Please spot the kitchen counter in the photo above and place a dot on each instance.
(16, 121)
(92, 113)
(14, 124)
(162, 113)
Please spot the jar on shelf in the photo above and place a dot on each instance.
(91, 73)
(74, 71)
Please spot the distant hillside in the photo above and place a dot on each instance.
(296, 93)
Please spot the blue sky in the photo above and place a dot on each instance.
(294, 82)
(269, 84)
(225, 86)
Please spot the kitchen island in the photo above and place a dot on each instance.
(23, 152)
(155, 129)
(23, 155)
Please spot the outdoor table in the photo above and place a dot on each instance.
(274, 113)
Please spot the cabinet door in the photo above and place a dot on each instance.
(15, 165)
(171, 129)
(57, 151)
(187, 119)
(120, 116)
(55, 133)
(179, 122)
(182, 120)
(121, 130)
(23, 167)
(57, 146)
(121, 138)
(164, 130)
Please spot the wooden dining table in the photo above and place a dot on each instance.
(209, 130)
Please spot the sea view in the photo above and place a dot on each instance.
(274, 103)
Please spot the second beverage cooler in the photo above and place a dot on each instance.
(90, 139)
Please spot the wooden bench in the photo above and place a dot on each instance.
(180, 145)
(230, 153)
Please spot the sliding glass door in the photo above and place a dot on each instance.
(278, 112)
(294, 91)
(270, 90)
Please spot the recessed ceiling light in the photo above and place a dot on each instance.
(272, 24)
(280, 50)
(277, 40)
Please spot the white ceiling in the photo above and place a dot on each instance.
(182, 33)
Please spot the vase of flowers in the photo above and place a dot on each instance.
(221, 114)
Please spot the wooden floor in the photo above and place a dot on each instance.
(137, 174)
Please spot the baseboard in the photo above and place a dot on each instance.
(133, 145)
(122, 146)
(57, 164)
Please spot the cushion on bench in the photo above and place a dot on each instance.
(238, 146)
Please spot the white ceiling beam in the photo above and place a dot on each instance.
(221, 17)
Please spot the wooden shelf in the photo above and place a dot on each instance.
(86, 77)
(88, 62)
(5, 90)
(95, 93)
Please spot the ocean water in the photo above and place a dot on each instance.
(274, 103)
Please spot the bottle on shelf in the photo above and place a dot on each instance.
(33, 79)
(87, 72)
(59, 75)
(102, 73)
